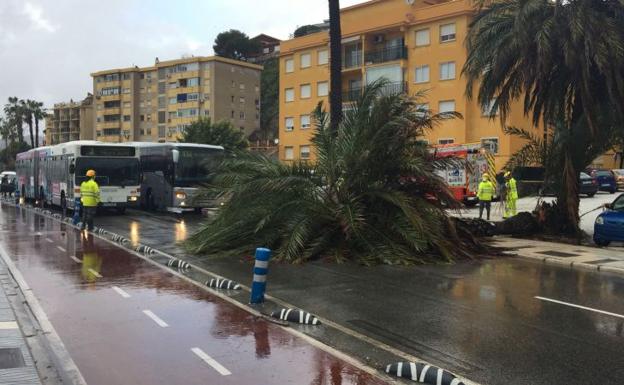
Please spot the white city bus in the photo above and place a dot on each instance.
(172, 172)
(54, 174)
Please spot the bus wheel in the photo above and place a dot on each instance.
(63, 205)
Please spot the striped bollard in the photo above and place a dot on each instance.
(261, 268)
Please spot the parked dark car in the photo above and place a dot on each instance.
(605, 178)
(587, 186)
(609, 226)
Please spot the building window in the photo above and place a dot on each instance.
(488, 109)
(192, 96)
(322, 89)
(241, 99)
(241, 115)
(289, 123)
(241, 86)
(173, 100)
(305, 91)
(490, 144)
(126, 118)
(304, 152)
(127, 104)
(186, 112)
(173, 85)
(99, 106)
(305, 60)
(422, 74)
(422, 37)
(111, 131)
(232, 114)
(290, 65)
(446, 141)
(447, 70)
(109, 91)
(446, 106)
(305, 121)
(447, 32)
(142, 117)
(289, 153)
(323, 57)
(290, 95)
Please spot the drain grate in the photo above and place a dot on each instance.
(599, 261)
(561, 254)
(11, 358)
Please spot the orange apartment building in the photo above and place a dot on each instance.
(416, 45)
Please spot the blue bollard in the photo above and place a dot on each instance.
(77, 207)
(261, 268)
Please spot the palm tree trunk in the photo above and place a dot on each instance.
(568, 200)
(32, 137)
(36, 131)
(335, 37)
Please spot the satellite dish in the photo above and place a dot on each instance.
(410, 2)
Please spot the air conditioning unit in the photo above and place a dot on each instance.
(378, 39)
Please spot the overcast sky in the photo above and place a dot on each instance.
(48, 48)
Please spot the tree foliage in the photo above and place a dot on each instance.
(269, 98)
(306, 30)
(564, 61)
(221, 133)
(372, 195)
(235, 44)
(7, 155)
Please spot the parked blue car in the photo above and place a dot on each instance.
(609, 226)
(605, 178)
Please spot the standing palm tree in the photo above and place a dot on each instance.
(335, 73)
(5, 131)
(38, 113)
(373, 195)
(14, 113)
(27, 113)
(565, 62)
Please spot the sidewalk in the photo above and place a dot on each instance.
(16, 363)
(608, 259)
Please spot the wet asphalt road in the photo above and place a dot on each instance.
(125, 321)
(481, 319)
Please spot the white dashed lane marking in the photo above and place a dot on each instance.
(61, 248)
(211, 361)
(580, 307)
(121, 292)
(75, 259)
(95, 273)
(156, 319)
(49, 240)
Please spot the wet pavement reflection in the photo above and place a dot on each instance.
(98, 298)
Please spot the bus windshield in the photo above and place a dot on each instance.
(195, 165)
(109, 171)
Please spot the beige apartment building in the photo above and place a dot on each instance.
(157, 103)
(70, 121)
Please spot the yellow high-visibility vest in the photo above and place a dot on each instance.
(486, 191)
(89, 193)
(512, 189)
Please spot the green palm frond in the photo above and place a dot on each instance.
(372, 195)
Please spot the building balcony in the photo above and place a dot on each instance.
(386, 54)
(352, 60)
(393, 88)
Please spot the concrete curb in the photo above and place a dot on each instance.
(67, 369)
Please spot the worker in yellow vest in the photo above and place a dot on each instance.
(485, 195)
(90, 198)
(511, 196)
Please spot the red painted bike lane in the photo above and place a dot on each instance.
(126, 321)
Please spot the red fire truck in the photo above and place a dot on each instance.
(464, 181)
